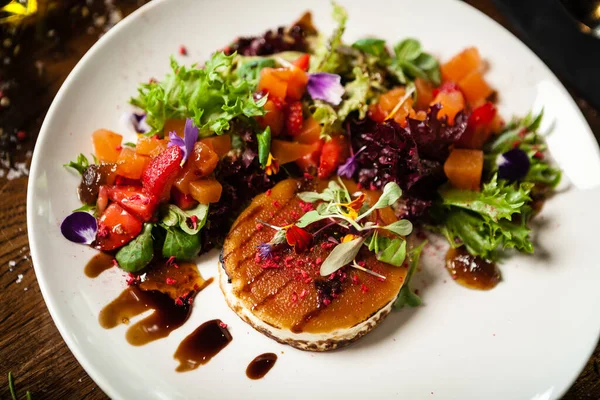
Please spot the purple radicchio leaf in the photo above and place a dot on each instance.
(327, 87)
(80, 227)
(513, 165)
(186, 144)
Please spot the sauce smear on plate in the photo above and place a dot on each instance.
(98, 264)
(200, 346)
(261, 365)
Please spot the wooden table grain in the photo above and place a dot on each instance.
(30, 345)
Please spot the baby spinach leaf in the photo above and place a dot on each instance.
(373, 46)
(180, 245)
(138, 253)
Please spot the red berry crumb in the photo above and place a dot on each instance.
(183, 50)
(222, 324)
(364, 288)
(294, 119)
(268, 192)
(170, 281)
(294, 297)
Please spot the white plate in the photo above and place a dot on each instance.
(526, 339)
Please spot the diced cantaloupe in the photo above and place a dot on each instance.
(206, 191)
(311, 131)
(286, 152)
(424, 94)
(461, 65)
(131, 164)
(150, 146)
(475, 88)
(452, 103)
(174, 125)
(204, 159)
(107, 145)
(463, 168)
(219, 144)
(274, 81)
(189, 173)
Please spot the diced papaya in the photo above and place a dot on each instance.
(107, 145)
(150, 146)
(463, 168)
(219, 144)
(296, 84)
(424, 94)
(188, 173)
(475, 88)
(286, 152)
(206, 191)
(461, 65)
(204, 158)
(131, 164)
(311, 131)
(274, 81)
(274, 116)
(174, 125)
(452, 103)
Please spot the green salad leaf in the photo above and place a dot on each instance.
(212, 96)
(264, 146)
(250, 70)
(327, 58)
(357, 94)
(411, 62)
(138, 253)
(372, 46)
(408, 297)
(180, 245)
(80, 164)
(189, 221)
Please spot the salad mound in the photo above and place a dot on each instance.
(297, 103)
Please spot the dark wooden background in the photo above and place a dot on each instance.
(33, 64)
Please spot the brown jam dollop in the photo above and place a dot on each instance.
(471, 271)
(93, 177)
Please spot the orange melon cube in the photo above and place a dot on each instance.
(475, 88)
(452, 103)
(461, 65)
(424, 94)
(273, 118)
(150, 146)
(463, 168)
(274, 81)
(174, 125)
(206, 191)
(189, 173)
(310, 133)
(131, 164)
(286, 152)
(219, 144)
(107, 145)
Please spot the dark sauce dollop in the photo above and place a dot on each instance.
(262, 364)
(471, 271)
(98, 264)
(93, 177)
(168, 289)
(200, 346)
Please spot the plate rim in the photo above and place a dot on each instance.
(49, 299)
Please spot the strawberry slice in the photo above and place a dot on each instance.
(160, 174)
(116, 227)
(479, 127)
(333, 154)
(182, 200)
(302, 62)
(310, 162)
(134, 200)
(294, 119)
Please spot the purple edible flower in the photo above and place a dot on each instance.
(139, 122)
(190, 136)
(513, 165)
(348, 168)
(327, 87)
(80, 227)
(265, 250)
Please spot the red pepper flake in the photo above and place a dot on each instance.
(119, 148)
(190, 300)
(308, 176)
(331, 276)
(176, 266)
(306, 207)
(171, 260)
(319, 261)
(259, 226)
(268, 193)
(131, 279)
(289, 261)
(183, 50)
(21, 136)
(355, 279)
(303, 293)
(516, 143)
(222, 324)
(194, 220)
(276, 204)
(326, 301)
(304, 274)
(326, 245)
(294, 215)
(294, 297)
(539, 155)
(362, 263)
(103, 231)
(115, 262)
(170, 281)
(196, 287)
(308, 280)
(179, 301)
(364, 288)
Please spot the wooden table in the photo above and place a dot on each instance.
(30, 345)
